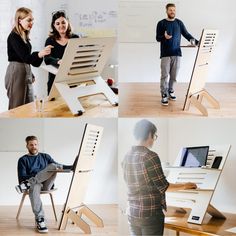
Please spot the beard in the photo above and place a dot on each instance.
(33, 152)
(171, 16)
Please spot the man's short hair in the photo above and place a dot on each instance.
(143, 128)
(30, 138)
(170, 5)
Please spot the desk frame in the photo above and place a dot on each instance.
(196, 90)
(74, 207)
(198, 200)
(79, 74)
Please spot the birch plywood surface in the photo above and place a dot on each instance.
(202, 62)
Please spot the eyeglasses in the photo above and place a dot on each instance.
(155, 136)
(60, 12)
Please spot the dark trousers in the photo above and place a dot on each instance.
(51, 79)
(153, 225)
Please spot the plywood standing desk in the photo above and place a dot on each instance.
(82, 63)
(196, 90)
(74, 208)
(96, 106)
(206, 179)
(211, 226)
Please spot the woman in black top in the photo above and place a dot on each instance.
(60, 34)
(19, 78)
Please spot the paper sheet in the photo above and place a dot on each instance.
(231, 230)
(50, 68)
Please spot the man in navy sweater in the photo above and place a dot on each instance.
(35, 173)
(168, 33)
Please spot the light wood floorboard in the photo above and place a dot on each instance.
(143, 100)
(26, 226)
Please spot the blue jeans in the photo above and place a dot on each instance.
(153, 225)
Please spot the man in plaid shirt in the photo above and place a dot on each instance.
(146, 183)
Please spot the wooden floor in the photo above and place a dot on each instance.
(143, 100)
(175, 221)
(25, 225)
(95, 106)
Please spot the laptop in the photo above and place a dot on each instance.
(194, 156)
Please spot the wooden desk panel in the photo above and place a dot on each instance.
(211, 226)
(95, 106)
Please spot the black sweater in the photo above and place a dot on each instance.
(56, 52)
(20, 51)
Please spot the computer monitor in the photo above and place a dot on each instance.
(194, 156)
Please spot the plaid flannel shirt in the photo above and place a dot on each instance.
(145, 181)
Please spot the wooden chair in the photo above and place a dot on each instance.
(42, 192)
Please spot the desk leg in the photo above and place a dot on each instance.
(177, 233)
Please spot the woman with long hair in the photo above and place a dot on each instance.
(59, 35)
(19, 78)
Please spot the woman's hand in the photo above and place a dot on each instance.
(46, 51)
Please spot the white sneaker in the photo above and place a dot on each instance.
(41, 226)
(25, 185)
(164, 100)
(172, 95)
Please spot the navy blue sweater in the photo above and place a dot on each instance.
(176, 28)
(29, 166)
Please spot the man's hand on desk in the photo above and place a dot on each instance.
(190, 185)
(59, 167)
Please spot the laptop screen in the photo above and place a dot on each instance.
(194, 156)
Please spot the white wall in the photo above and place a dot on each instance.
(139, 62)
(38, 35)
(61, 139)
(176, 133)
(42, 10)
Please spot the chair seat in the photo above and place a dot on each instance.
(42, 191)
(25, 193)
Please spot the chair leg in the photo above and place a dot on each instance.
(21, 204)
(53, 206)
